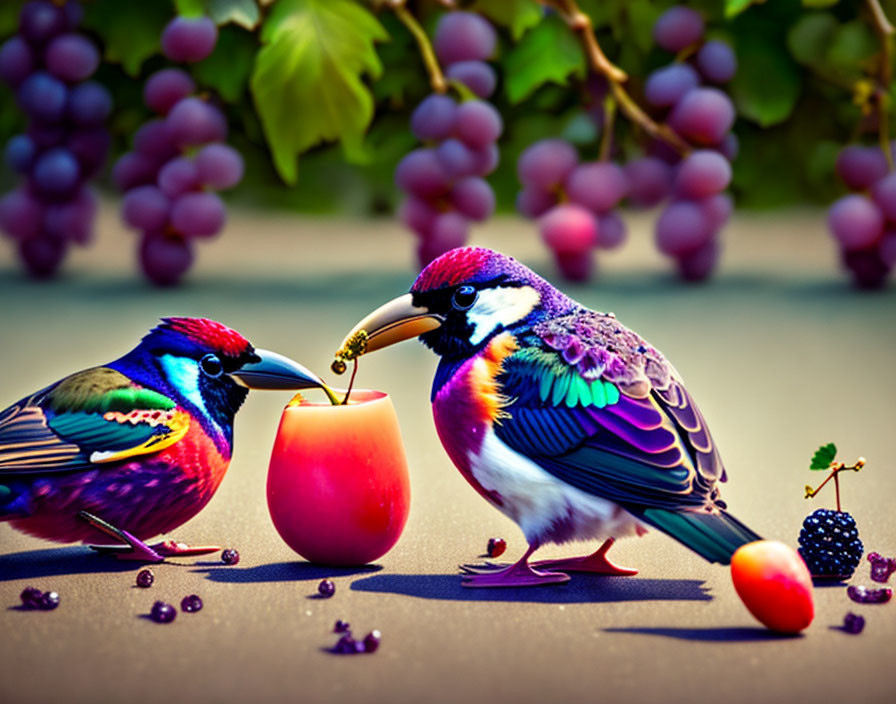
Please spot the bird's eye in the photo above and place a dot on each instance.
(464, 298)
(211, 365)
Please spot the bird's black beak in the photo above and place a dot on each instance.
(397, 320)
(274, 371)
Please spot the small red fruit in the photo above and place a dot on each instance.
(496, 547)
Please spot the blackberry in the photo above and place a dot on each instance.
(829, 544)
(230, 556)
(145, 578)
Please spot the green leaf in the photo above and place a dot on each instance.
(823, 456)
(190, 8)
(242, 12)
(767, 85)
(819, 3)
(130, 31)
(227, 69)
(516, 15)
(307, 77)
(642, 15)
(734, 7)
(809, 39)
(549, 53)
(852, 48)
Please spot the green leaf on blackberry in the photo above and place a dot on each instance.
(823, 456)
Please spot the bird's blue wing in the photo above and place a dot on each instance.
(86, 420)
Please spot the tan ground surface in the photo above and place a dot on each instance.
(779, 352)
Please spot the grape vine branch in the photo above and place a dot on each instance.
(885, 30)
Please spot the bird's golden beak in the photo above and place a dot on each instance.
(397, 320)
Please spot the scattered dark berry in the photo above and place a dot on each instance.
(230, 556)
(496, 547)
(345, 645)
(49, 601)
(191, 604)
(162, 612)
(829, 544)
(145, 578)
(862, 595)
(31, 597)
(372, 641)
(853, 623)
(341, 627)
(881, 567)
(326, 588)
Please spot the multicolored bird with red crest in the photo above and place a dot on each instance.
(561, 417)
(138, 446)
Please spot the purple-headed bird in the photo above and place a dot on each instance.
(561, 417)
(138, 446)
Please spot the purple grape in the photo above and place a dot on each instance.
(193, 122)
(164, 260)
(887, 249)
(718, 209)
(533, 202)
(702, 173)
(478, 76)
(860, 167)
(198, 214)
(19, 152)
(16, 61)
(326, 588)
(189, 39)
(49, 601)
(667, 85)
(662, 150)
(42, 97)
(433, 118)
(42, 255)
(868, 271)
(649, 181)
(730, 146)
(417, 215)
(341, 627)
(457, 159)
(89, 104)
(165, 88)
(162, 612)
(146, 208)
(463, 36)
(856, 222)
(90, 148)
(677, 28)
(478, 124)
(73, 12)
(546, 164)
(884, 194)
(31, 597)
(229, 556)
(220, 166)
(154, 140)
(46, 136)
(474, 198)
(20, 214)
(569, 229)
(56, 172)
(372, 641)
(132, 170)
(487, 159)
(420, 173)
(703, 116)
(145, 578)
(177, 177)
(191, 604)
(575, 266)
(449, 231)
(73, 219)
(71, 57)
(698, 264)
(611, 229)
(682, 227)
(40, 21)
(853, 623)
(716, 61)
(598, 186)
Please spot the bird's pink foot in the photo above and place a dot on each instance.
(132, 548)
(595, 563)
(519, 574)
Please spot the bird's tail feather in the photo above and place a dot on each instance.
(713, 536)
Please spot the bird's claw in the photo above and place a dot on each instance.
(135, 549)
(483, 567)
(172, 548)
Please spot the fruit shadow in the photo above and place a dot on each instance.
(716, 634)
(277, 572)
(581, 589)
(56, 562)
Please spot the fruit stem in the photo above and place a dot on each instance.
(836, 468)
(886, 31)
(334, 400)
(580, 23)
(436, 77)
(351, 381)
(606, 139)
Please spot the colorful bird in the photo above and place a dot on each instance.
(138, 446)
(561, 417)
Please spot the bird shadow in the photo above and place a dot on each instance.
(56, 562)
(278, 572)
(718, 634)
(582, 589)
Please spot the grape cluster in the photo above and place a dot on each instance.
(574, 203)
(864, 222)
(178, 160)
(47, 64)
(443, 181)
(685, 94)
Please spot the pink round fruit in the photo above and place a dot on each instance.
(338, 486)
(775, 585)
